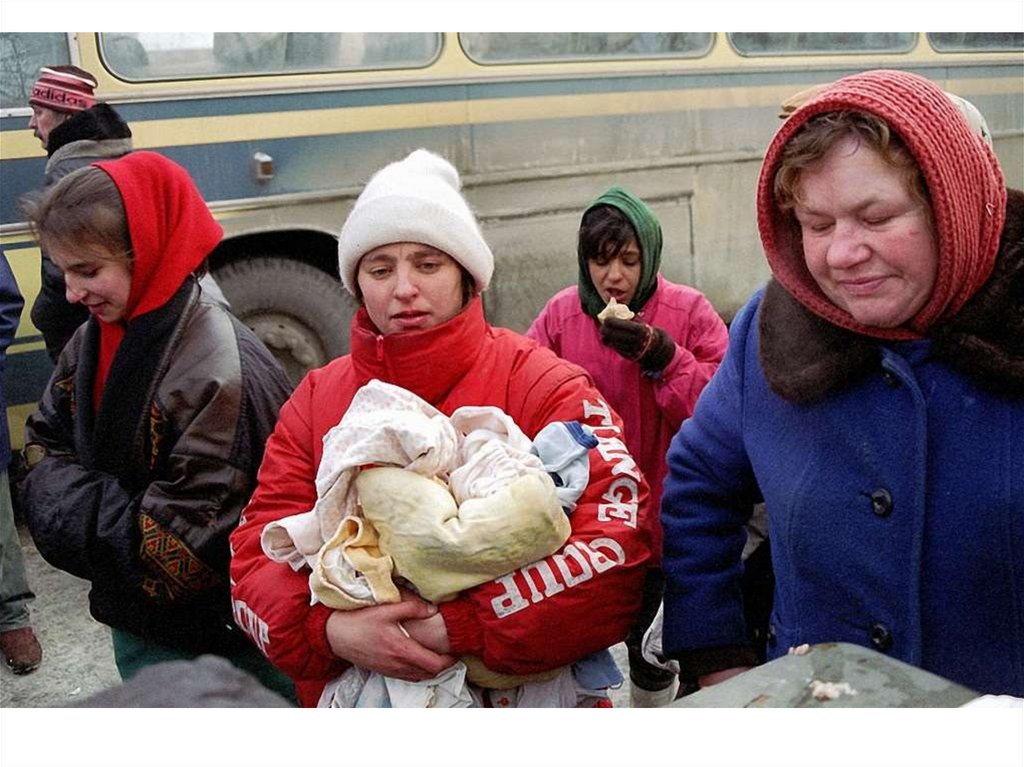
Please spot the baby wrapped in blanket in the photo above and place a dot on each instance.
(441, 504)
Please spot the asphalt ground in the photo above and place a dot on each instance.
(77, 657)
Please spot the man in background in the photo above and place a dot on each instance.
(75, 130)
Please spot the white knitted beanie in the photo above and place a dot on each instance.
(414, 200)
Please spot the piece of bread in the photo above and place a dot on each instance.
(616, 310)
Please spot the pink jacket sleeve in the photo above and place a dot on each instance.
(540, 331)
(697, 357)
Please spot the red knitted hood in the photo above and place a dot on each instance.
(171, 229)
(964, 180)
(172, 232)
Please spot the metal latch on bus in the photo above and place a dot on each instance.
(263, 166)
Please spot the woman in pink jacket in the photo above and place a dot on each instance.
(651, 368)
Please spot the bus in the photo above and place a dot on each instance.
(281, 131)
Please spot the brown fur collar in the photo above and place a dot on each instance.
(806, 358)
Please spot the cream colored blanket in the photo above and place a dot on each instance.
(449, 503)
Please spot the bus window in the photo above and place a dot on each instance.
(21, 56)
(954, 42)
(532, 47)
(142, 56)
(801, 43)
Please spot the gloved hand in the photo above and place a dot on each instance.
(651, 347)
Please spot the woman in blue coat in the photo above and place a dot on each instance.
(872, 396)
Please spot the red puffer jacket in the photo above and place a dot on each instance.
(545, 615)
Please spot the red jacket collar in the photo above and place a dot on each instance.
(426, 362)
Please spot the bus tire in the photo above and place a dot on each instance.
(301, 313)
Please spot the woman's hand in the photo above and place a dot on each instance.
(649, 346)
(374, 638)
(429, 632)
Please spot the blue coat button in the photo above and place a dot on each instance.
(881, 637)
(881, 502)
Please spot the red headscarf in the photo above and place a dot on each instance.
(964, 180)
(172, 232)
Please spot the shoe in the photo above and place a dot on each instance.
(641, 698)
(21, 650)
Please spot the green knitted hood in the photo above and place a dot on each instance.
(648, 236)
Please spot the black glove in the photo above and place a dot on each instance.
(652, 348)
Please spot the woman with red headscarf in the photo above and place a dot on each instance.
(148, 437)
(872, 396)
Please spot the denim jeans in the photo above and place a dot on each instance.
(14, 591)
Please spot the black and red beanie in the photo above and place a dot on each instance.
(64, 89)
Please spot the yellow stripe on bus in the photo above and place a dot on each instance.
(31, 346)
(25, 265)
(16, 417)
(192, 131)
(8, 240)
(323, 122)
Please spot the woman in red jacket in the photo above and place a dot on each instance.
(413, 255)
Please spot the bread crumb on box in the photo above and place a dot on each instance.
(830, 690)
(799, 650)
